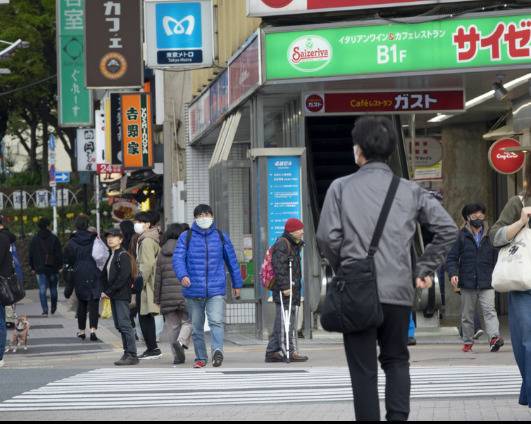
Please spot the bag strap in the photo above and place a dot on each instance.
(384, 214)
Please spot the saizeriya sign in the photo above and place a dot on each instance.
(480, 42)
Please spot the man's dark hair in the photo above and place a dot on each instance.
(174, 231)
(43, 223)
(151, 217)
(81, 223)
(473, 208)
(201, 209)
(376, 136)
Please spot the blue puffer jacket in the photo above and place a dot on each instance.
(204, 263)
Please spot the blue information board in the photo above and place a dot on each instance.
(283, 193)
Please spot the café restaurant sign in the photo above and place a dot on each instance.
(261, 8)
(505, 162)
(441, 45)
(114, 44)
(424, 101)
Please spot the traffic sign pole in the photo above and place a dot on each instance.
(53, 183)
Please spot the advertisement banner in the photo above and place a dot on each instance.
(244, 72)
(384, 102)
(199, 114)
(114, 44)
(179, 34)
(137, 130)
(261, 8)
(219, 97)
(86, 149)
(467, 43)
(284, 198)
(113, 129)
(74, 99)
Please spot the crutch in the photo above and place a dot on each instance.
(286, 315)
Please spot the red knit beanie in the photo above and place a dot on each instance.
(293, 225)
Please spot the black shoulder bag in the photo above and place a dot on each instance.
(352, 304)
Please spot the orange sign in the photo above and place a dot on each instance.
(137, 130)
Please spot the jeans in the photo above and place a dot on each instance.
(214, 308)
(48, 282)
(122, 322)
(3, 331)
(277, 343)
(394, 357)
(520, 325)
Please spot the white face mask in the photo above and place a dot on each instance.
(204, 223)
(139, 228)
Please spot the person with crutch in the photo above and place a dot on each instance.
(287, 266)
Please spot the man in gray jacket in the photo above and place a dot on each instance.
(347, 224)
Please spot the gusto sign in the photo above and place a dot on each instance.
(503, 161)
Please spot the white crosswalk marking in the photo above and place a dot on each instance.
(144, 388)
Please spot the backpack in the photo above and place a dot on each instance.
(267, 273)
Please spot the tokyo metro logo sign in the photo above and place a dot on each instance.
(310, 53)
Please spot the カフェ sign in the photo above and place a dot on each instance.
(113, 44)
(290, 7)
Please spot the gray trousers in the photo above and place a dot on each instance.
(122, 322)
(178, 328)
(470, 301)
(277, 343)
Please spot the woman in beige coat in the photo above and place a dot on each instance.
(147, 253)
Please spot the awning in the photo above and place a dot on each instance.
(226, 139)
(505, 131)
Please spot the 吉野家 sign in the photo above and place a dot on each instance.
(179, 34)
(468, 43)
(422, 101)
(505, 162)
(114, 44)
(75, 100)
(137, 131)
(290, 7)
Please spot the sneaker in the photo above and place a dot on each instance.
(180, 356)
(467, 348)
(200, 364)
(297, 357)
(217, 360)
(478, 334)
(54, 310)
(274, 357)
(2, 363)
(81, 336)
(44, 315)
(151, 354)
(496, 344)
(127, 360)
(411, 341)
(94, 338)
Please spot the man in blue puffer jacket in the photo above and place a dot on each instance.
(199, 263)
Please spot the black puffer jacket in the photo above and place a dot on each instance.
(168, 289)
(116, 278)
(285, 250)
(87, 276)
(472, 264)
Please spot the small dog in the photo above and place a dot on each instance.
(20, 334)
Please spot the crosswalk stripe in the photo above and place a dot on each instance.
(145, 388)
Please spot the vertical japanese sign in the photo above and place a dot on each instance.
(75, 100)
(284, 199)
(86, 150)
(137, 131)
(114, 44)
(114, 124)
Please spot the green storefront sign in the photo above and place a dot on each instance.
(75, 101)
(400, 48)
